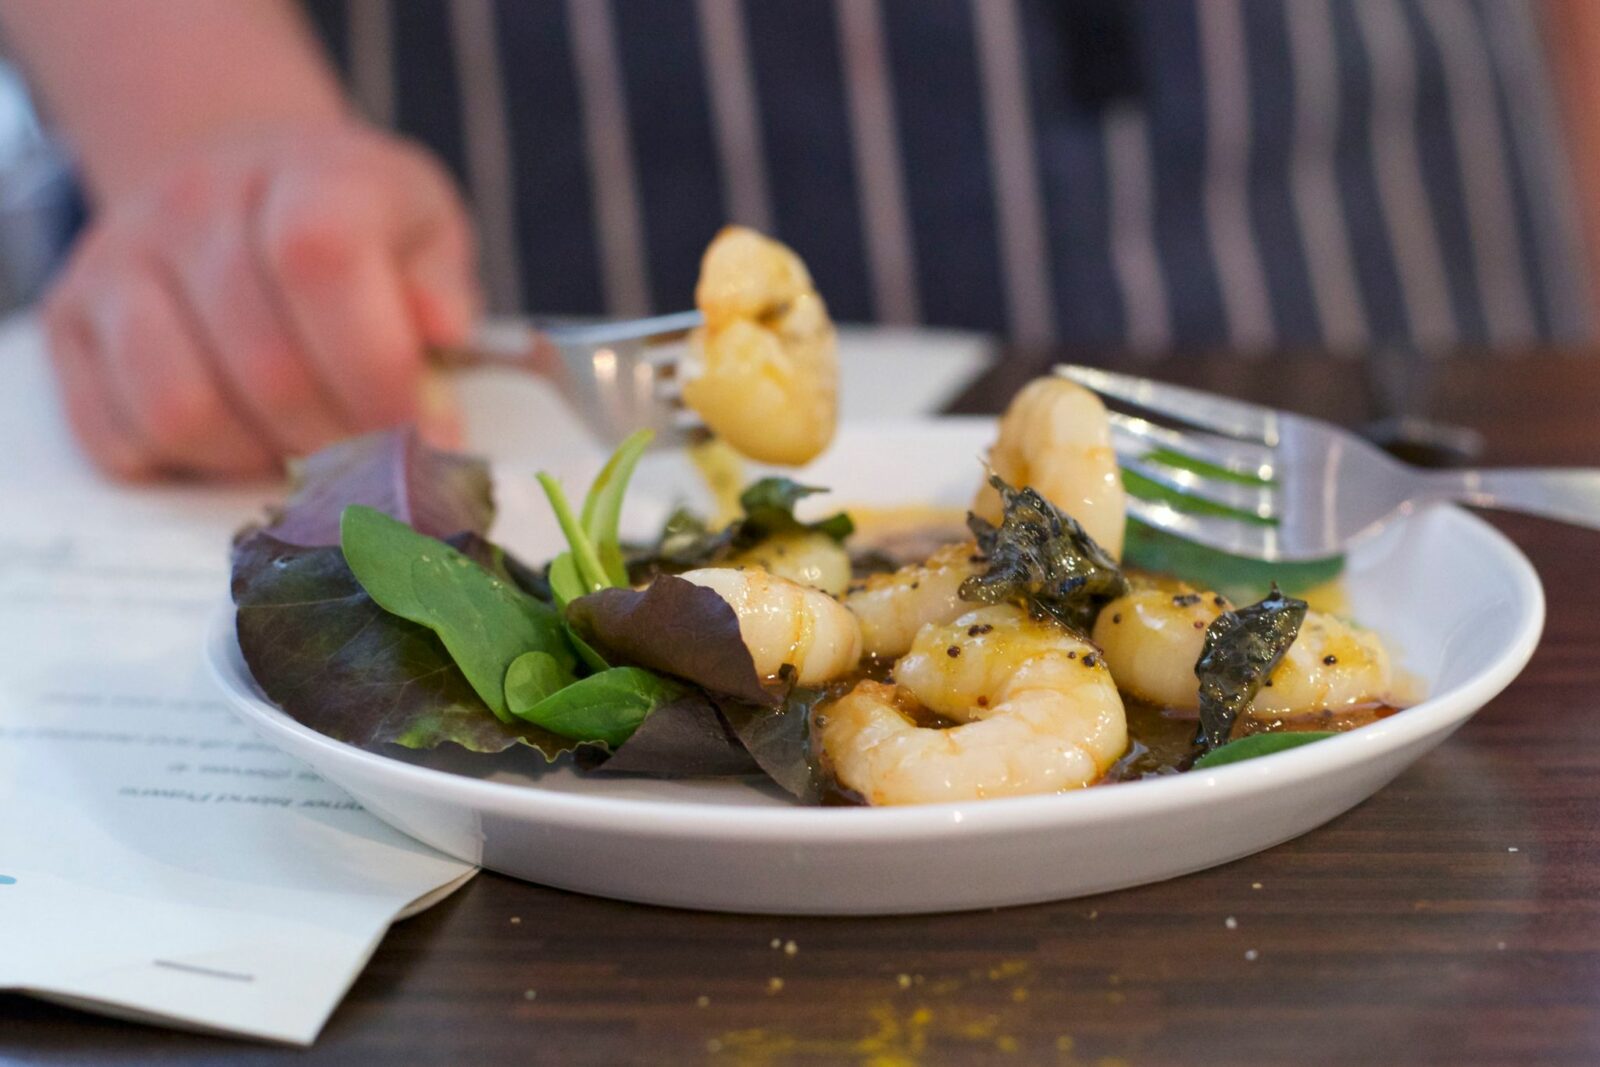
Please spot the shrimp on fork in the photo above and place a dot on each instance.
(763, 371)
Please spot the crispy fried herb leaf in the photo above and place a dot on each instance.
(329, 656)
(393, 471)
(674, 627)
(1040, 556)
(1259, 745)
(1242, 649)
(485, 620)
(687, 542)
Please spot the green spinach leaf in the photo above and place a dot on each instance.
(485, 621)
(687, 541)
(1259, 745)
(1242, 649)
(602, 508)
(605, 708)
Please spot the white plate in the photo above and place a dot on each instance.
(1454, 599)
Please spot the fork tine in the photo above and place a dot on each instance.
(1260, 500)
(1138, 436)
(1231, 418)
(1237, 537)
(606, 333)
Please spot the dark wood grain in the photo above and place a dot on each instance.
(1452, 919)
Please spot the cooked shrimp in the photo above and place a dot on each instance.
(805, 556)
(1038, 713)
(785, 623)
(1054, 437)
(763, 371)
(893, 607)
(1152, 638)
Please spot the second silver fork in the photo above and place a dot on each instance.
(1252, 481)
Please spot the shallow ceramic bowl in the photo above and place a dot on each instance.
(1456, 601)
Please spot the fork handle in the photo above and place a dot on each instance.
(1570, 494)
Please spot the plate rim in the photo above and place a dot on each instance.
(1436, 715)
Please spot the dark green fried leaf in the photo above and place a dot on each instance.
(1040, 557)
(1242, 649)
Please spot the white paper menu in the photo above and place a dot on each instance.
(157, 860)
(156, 857)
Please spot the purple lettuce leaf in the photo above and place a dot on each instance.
(779, 741)
(687, 738)
(435, 493)
(676, 628)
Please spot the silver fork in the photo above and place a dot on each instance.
(618, 376)
(1295, 487)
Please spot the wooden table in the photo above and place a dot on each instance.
(1452, 919)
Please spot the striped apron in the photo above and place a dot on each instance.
(1152, 174)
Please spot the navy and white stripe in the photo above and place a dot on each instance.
(1159, 174)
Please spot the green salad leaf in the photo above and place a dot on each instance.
(1259, 745)
(1242, 649)
(606, 707)
(331, 658)
(593, 559)
(1239, 579)
(1041, 557)
(485, 621)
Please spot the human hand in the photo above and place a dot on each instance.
(260, 298)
